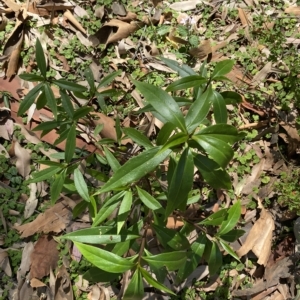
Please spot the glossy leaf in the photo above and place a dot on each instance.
(212, 173)
(68, 85)
(223, 132)
(30, 98)
(231, 97)
(40, 58)
(31, 77)
(219, 108)
(198, 246)
(171, 260)
(41, 100)
(108, 207)
(135, 288)
(148, 200)
(108, 79)
(229, 250)
(138, 137)
(81, 185)
(218, 150)
(124, 210)
(66, 103)
(171, 238)
(103, 259)
(57, 185)
(51, 101)
(95, 236)
(43, 175)
(232, 235)
(71, 143)
(164, 133)
(163, 103)
(186, 83)
(234, 213)
(95, 275)
(181, 183)
(134, 169)
(154, 282)
(216, 218)
(199, 110)
(215, 259)
(182, 70)
(81, 112)
(222, 68)
(175, 140)
(112, 161)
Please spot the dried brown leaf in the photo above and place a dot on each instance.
(295, 10)
(202, 50)
(74, 21)
(4, 263)
(114, 31)
(25, 262)
(23, 159)
(63, 285)
(44, 256)
(259, 239)
(31, 202)
(185, 5)
(54, 219)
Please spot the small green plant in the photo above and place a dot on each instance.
(288, 190)
(132, 203)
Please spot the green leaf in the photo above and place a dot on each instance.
(148, 200)
(79, 208)
(91, 80)
(199, 110)
(108, 207)
(134, 169)
(164, 133)
(49, 125)
(108, 79)
(182, 70)
(218, 150)
(50, 163)
(222, 68)
(232, 235)
(95, 236)
(57, 185)
(153, 282)
(95, 275)
(118, 129)
(30, 98)
(138, 137)
(135, 289)
(51, 101)
(181, 183)
(198, 246)
(71, 143)
(40, 58)
(212, 173)
(223, 132)
(70, 86)
(215, 259)
(175, 140)
(97, 174)
(124, 210)
(219, 108)
(66, 103)
(186, 83)
(234, 213)
(171, 260)
(82, 112)
(112, 161)
(216, 218)
(229, 250)
(104, 260)
(81, 185)
(231, 97)
(31, 77)
(44, 174)
(163, 103)
(171, 238)
(41, 100)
